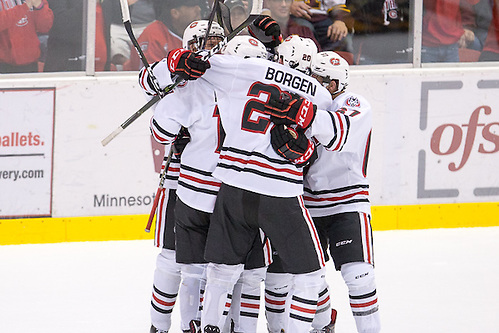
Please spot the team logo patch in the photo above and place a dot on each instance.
(193, 24)
(22, 22)
(353, 101)
(253, 42)
(334, 61)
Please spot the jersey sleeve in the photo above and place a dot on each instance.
(162, 74)
(182, 108)
(331, 129)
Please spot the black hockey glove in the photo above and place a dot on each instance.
(182, 139)
(266, 30)
(186, 64)
(293, 145)
(291, 109)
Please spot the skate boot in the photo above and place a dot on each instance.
(155, 330)
(211, 329)
(194, 327)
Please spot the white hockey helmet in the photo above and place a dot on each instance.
(331, 66)
(245, 47)
(297, 52)
(195, 32)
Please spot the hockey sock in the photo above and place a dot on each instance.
(306, 288)
(165, 289)
(359, 277)
(190, 293)
(246, 300)
(277, 290)
(219, 284)
(322, 316)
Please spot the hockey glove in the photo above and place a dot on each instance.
(293, 145)
(266, 30)
(291, 109)
(186, 64)
(182, 139)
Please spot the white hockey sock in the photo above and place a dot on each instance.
(306, 288)
(322, 316)
(359, 277)
(165, 288)
(246, 300)
(190, 293)
(277, 291)
(219, 285)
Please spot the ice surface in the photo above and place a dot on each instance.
(439, 280)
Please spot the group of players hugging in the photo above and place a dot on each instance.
(269, 172)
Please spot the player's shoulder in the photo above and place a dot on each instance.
(353, 100)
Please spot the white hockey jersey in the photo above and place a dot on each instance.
(164, 79)
(247, 159)
(192, 106)
(337, 181)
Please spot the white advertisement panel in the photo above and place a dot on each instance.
(26, 145)
(435, 137)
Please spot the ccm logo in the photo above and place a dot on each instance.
(304, 110)
(345, 242)
(173, 59)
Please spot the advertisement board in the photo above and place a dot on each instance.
(26, 152)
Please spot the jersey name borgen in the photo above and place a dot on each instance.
(337, 181)
(247, 159)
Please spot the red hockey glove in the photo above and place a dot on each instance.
(266, 30)
(186, 64)
(182, 139)
(293, 145)
(291, 109)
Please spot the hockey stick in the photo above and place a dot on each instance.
(160, 188)
(125, 13)
(255, 12)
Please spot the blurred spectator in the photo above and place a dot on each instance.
(279, 10)
(19, 24)
(238, 11)
(381, 31)
(165, 33)
(483, 17)
(65, 47)
(446, 28)
(142, 13)
(329, 20)
(490, 51)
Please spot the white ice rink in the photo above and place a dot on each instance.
(441, 280)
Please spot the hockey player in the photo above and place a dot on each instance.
(197, 189)
(261, 188)
(169, 272)
(279, 283)
(337, 194)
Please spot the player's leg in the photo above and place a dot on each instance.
(351, 247)
(325, 317)
(278, 286)
(246, 296)
(190, 235)
(165, 289)
(167, 273)
(229, 241)
(287, 223)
